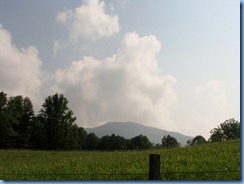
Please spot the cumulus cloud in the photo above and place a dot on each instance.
(213, 91)
(20, 72)
(127, 86)
(89, 21)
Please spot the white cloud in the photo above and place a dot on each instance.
(20, 72)
(63, 17)
(89, 21)
(124, 87)
(213, 91)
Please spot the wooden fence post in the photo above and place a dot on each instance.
(154, 167)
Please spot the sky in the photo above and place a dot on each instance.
(168, 64)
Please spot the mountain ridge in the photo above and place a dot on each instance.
(132, 129)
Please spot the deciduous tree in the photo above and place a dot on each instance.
(7, 133)
(57, 119)
(228, 130)
(169, 142)
(197, 140)
(140, 142)
(91, 142)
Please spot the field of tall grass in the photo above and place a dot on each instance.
(211, 161)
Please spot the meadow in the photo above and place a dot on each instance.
(211, 161)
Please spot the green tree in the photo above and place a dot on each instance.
(16, 115)
(25, 123)
(38, 134)
(91, 142)
(197, 140)
(169, 142)
(57, 119)
(118, 142)
(75, 138)
(81, 134)
(140, 142)
(7, 132)
(3, 101)
(104, 143)
(228, 130)
(113, 142)
(21, 112)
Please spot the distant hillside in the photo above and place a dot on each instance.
(131, 129)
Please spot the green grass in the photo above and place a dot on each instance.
(212, 161)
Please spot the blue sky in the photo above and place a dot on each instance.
(170, 64)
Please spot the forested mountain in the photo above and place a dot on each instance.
(131, 129)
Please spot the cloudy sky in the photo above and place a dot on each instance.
(169, 64)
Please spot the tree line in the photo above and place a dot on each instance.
(54, 128)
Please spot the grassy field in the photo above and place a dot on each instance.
(212, 161)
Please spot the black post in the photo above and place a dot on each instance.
(154, 167)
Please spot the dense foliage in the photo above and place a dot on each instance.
(228, 130)
(53, 128)
(169, 142)
(16, 118)
(58, 123)
(197, 140)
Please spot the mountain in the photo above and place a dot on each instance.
(131, 129)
